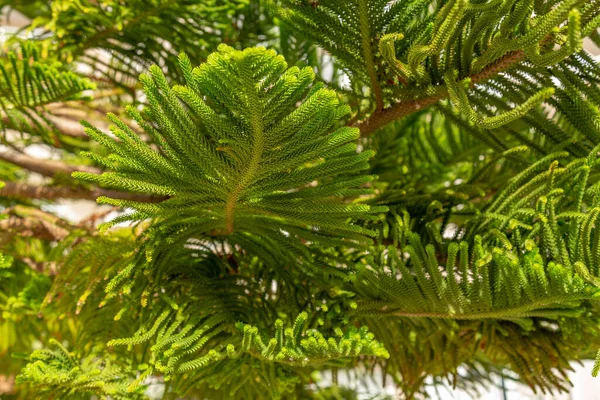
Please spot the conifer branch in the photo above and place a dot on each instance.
(62, 374)
(265, 139)
(420, 288)
(382, 118)
(253, 165)
(366, 37)
(510, 313)
(400, 110)
(298, 347)
(101, 35)
(503, 64)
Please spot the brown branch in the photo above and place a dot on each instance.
(503, 64)
(25, 191)
(67, 127)
(44, 167)
(7, 383)
(67, 119)
(380, 119)
(31, 222)
(92, 219)
(32, 227)
(50, 122)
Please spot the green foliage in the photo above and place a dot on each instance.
(178, 342)
(398, 190)
(433, 37)
(5, 263)
(29, 8)
(252, 162)
(526, 258)
(21, 291)
(82, 25)
(28, 82)
(190, 347)
(60, 373)
(458, 97)
(292, 346)
(480, 284)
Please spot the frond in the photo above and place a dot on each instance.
(496, 299)
(248, 148)
(475, 283)
(28, 83)
(61, 373)
(110, 34)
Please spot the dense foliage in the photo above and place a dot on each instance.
(289, 190)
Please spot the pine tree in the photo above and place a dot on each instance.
(406, 191)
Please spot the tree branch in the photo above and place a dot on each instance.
(27, 221)
(67, 127)
(44, 167)
(503, 64)
(51, 123)
(32, 227)
(25, 191)
(380, 119)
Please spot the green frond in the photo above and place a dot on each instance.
(249, 148)
(458, 97)
(60, 373)
(298, 347)
(28, 83)
(498, 284)
(191, 26)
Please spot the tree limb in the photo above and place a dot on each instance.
(44, 167)
(25, 191)
(32, 227)
(380, 119)
(67, 127)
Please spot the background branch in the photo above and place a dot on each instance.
(44, 167)
(25, 191)
(32, 227)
